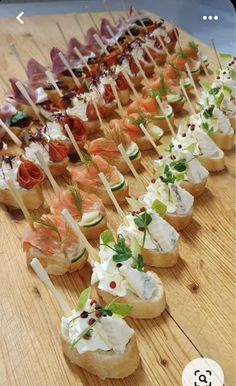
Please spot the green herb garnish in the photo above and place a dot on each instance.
(193, 45)
(83, 298)
(76, 197)
(142, 223)
(46, 223)
(159, 207)
(214, 90)
(122, 310)
(209, 130)
(179, 166)
(207, 113)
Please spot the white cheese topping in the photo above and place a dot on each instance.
(31, 150)
(110, 333)
(41, 95)
(79, 108)
(54, 131)
(177, 200)
(90, 217)
(6, 172)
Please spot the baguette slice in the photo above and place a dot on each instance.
(55, 264)
(178, 221)
(161, 260)
(142, 309)
(93, 232)
(58, 168)
(33, 198)
(224, 141)
(106, 364)
(214, 164)
(195, 189)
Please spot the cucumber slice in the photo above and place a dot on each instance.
(134, 155)
(75, 259)
(172, 98)
(168, 111)
(118, 186)
(93, 223)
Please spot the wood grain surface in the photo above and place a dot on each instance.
(200, 317)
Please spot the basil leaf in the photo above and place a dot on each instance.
(84, 296)
(107, 237)
(140, 264)
(159, 207)
(122, 310)
(179, 165)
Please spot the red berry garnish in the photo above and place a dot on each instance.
(98, 314)
(91, 321)
(93, 302)
(133, 213)
(184, 135)
(119, 265)
(161, 178)
(141, 229)
(153, 180)
(113, 284)
(142, 209)
(180, 146)
(84, 315)
(86, 337)
(161, 157)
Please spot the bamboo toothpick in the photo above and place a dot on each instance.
(75, 228)
(148, 136)
(130, 83)
(43, 276)
(19, 200)
(129, 163)
(192, 80)
(113, 36)
(107, 8)
(100, 43)
(187, 99)
(74, 143)
(13, 137)
(151, 58)
(25, 94)
(164, 47)
(79, 25)
(48, 173)
(62, 33)
(103, 127)
(216, 54)
(82, 58)
(115, 93)
(111, 195)
(17, 55)
(137, 62)
(66, 63)
(204, 67)
(53, 82)
(164, 113)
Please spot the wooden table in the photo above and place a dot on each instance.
(199, 320)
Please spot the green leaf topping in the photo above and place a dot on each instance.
(227, 89)
(214, 90)
(19, 116)
(193, 45)
(219, 99)
(169, 177)
(207, 113)
(107, 237)
(159, 207)
(179, 166)
(139, 262)
(144, 220)
(181, 54)
(137, 121)
(123, 252)
(77, 197)
(232, 73)
(84, 296)
(122, 310)
(46, 223)
(209, 130)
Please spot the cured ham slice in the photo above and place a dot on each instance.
(58, 151)
(6, 111)
(73, 42)
(89, 174)
(37, 95)
(104, 31)
(57, 65)
(36, 72)
(29, 175)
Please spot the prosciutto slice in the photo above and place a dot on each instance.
(57, 65)
(36, 72)
(104, 32)
(37, 95)
(81, 47)
(6, 111)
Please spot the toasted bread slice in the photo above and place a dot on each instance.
(106, 364)
(142, 309)
(178, 221)
(154, 258)
(214, 164)
(93, 232)
(224, 141)
(195, 189)
(33, 198)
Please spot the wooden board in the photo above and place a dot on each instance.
(199, 320)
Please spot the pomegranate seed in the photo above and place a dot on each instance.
(161, 178)
(91, 321)
(113, 284)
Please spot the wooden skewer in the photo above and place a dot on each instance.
(204, 68)
(106, 6)
(139, 67)
(62, 33)
(82, 58)
(113, 36)
(130, 83)
(43, 276)
(187, 99)
(120, 107)
(129, 163)
(140, 19)
(13, 137)
(103, 127)
(79, 25)
(111, 195)
(39, 49)
(93, 22)
(19, 200)
(151, 58)
(17, 55)
(167, 119)
(66, 63)
(164, 47)
(216, 54)
(74, 226)
(74, 143)
(25, 94)
(53, 82)
(192, 80)
(100, 43)
(148, 136)
(48, 173)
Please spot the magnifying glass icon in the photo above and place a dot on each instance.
(202, 378)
